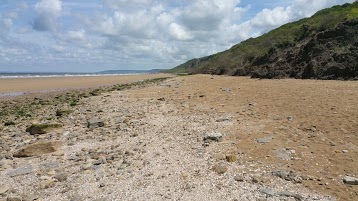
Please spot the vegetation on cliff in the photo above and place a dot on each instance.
(323, 46)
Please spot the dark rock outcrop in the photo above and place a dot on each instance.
(331, 54)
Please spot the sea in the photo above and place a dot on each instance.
(4, 75)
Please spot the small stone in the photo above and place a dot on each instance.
(30, 197)
(287, 175)
(14, 197)
(290, 194)
(213, 136)
(226, 89)
(86, 166)
(268, 192)
(220, 169)
(4, 189)
(27, 169)
(223, 120)
(231, 158)
(51, 172)
(350, 180)
(58, 153)
(61, 177)
(283, 154)
(345, 151)
(95, 123)
(239, 178)
(62, 112)
(290, 118)
(219, 156)
(264, 140)
(47, 183)
(45, 178)
(255, 179)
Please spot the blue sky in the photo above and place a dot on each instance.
(95, 35)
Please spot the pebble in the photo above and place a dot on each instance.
(213, 136)
(226, 89)
(290, 118)
(287, 175)
(86, 166)
(283, 154)
(61, 177)
(264, 140)
(267, 191)
(220, 169)
(231, 158)
(58, 153)
(14, 197)
(219, 156)
(239, 178)
(47, 183)
(223, 120)
(95, 123)
(290, 194)
(4, 189)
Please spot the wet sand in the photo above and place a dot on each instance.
(15, 86)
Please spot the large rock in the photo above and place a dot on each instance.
(27, 169)
(38, 149)
(42, 128)
(95, 123)
(350, 180)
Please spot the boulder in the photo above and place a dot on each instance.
(38, 149)
(42, 128)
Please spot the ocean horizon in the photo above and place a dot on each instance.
(4, 75)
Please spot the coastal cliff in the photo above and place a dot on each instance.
(323, 46)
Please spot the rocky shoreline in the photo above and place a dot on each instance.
(163, 140)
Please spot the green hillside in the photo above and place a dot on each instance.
(243, 58)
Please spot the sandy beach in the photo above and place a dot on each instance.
(197, 137)
(10, 85)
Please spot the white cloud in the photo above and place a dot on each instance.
(208, 15)
(47, 13)
(77, 35)
(274, 17)
(178, 32)
(136, 33)
(49, 7)
(120, 4)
